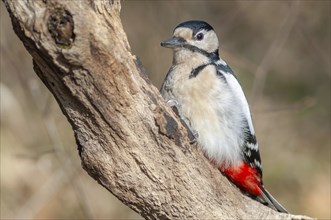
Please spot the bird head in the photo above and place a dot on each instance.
(196, 36)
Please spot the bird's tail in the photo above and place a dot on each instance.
(271, 201)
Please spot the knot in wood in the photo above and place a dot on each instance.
(61, 27)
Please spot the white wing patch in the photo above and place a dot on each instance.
(239, 94)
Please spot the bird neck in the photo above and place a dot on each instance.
(193, 56)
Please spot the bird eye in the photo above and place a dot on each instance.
(199, 36)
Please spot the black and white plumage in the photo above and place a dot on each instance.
(212, 103)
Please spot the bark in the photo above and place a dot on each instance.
(127, 138)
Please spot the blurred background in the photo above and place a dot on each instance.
(279, 50)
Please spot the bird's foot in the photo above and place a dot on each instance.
(192, 134)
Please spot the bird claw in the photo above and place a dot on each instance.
(192, 134)
(173, 103)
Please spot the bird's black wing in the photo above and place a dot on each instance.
(251, 151)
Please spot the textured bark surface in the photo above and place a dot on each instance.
(128, 139)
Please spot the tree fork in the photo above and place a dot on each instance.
(127, 138)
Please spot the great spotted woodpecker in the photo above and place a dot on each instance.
(212, 103)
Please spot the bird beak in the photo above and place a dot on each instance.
(173, 42)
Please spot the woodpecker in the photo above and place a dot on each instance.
(211, 102)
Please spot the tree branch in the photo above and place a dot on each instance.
(127, 138)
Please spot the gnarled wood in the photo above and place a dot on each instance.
(128, 139)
